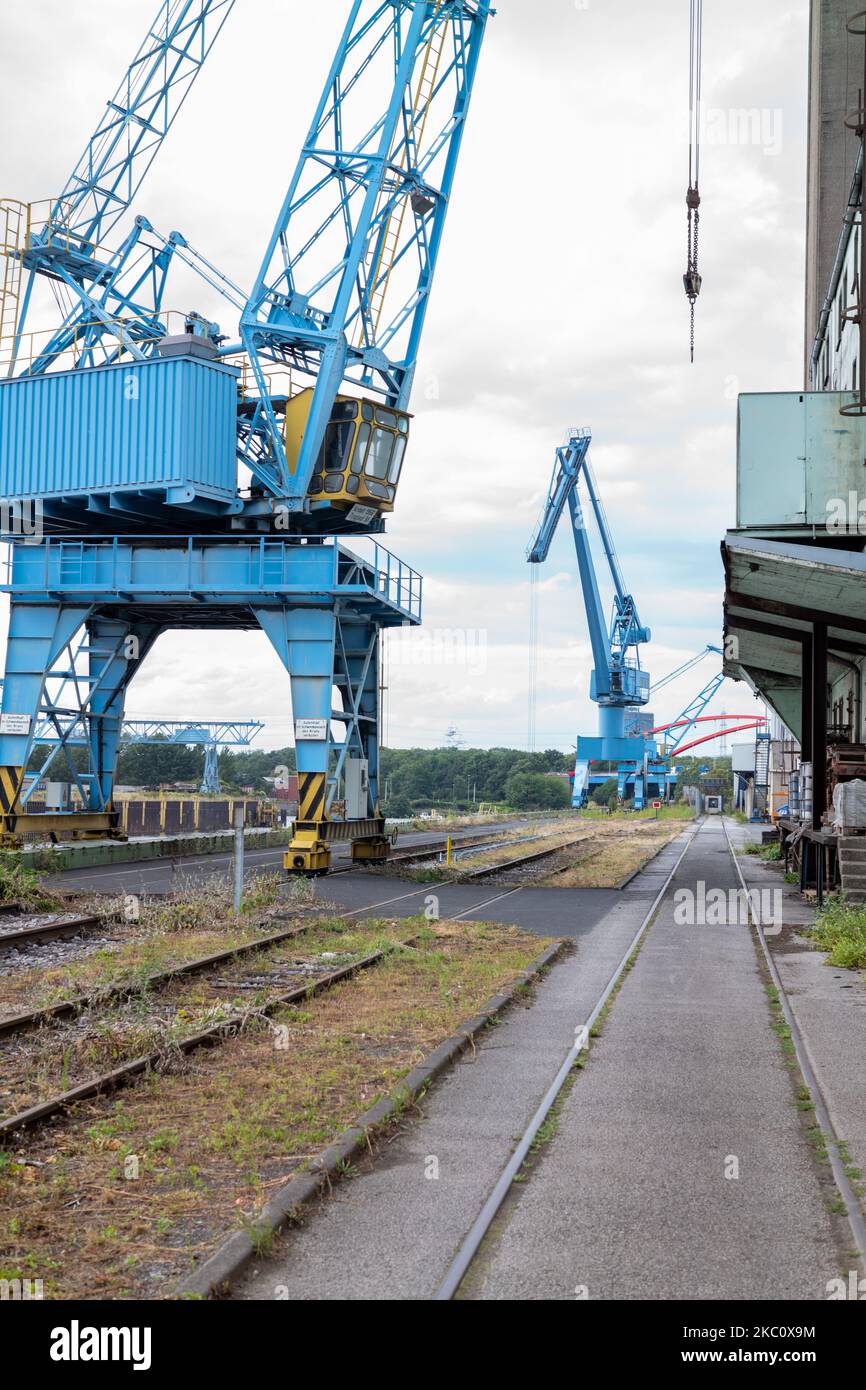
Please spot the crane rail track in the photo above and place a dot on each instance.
(466, 1255)
(419, 853)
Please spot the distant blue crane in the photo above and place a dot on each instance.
(211, 735)
(618, 682)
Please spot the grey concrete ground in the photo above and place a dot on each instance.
(630, 1199)
(829, 1004)
(391, 1232)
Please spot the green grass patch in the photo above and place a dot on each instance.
(840, 929)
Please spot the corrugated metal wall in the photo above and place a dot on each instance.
(164, 423)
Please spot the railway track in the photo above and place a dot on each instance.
(488, 870)
(29, 929)
(38, 1018)
(472, 1243)
(128, 1072)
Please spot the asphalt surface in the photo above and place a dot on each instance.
(162, 875)
(630, 1198)
(374, 895)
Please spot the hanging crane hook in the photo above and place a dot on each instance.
(692, 279)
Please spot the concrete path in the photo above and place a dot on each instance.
(633, 1198)
(390, 1232)
(829, 1003)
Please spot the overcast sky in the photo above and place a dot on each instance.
(558, 302)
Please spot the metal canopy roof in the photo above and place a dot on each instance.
(775, 590)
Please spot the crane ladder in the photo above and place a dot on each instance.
(384, 250)
(14, 234)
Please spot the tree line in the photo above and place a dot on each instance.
(411, 779)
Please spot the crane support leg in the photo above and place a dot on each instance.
(304, 640)
(67, 670)
(331, 655)
(358, 683)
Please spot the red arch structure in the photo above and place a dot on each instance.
(743, 726)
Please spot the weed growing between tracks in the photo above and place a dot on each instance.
(615, 851)
(117, 1199)
(50, 1060)
(595, 851)
(195, 920)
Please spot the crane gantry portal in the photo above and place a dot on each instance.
(191, 478)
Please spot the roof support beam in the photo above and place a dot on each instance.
(774, 608)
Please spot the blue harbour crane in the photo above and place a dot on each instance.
(618, 684)
(190, 478)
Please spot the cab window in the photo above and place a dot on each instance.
(379, 454)
(397, 460)
(335, 450)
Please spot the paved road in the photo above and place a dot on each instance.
(631, 1198)
(161, 875)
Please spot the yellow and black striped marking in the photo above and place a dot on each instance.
(10, 788)
(312, 789)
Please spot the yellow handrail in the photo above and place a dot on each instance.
(389, 241)
(32, 344)
(14, 234)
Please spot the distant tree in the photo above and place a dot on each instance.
(150, 765)
(605, 793)
(533, 791)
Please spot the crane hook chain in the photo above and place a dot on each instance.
(692, 279)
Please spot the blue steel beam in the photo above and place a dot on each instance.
(692, 712)
(322, 607)
(682, 670)
(68, 241)
(134, 125)
(228, 733)
(211, 735)
(362, 221)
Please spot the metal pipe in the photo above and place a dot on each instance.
(850, 214)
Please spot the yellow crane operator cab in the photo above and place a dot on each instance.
(362, 453)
